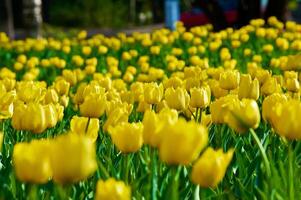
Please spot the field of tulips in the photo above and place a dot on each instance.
(184, 114)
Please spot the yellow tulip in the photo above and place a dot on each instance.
(154, 125)
(200, 97)
(210, 168)
(177, 98)
(216, 89)
(287, 116)
(243, 115)
(93, 106)
(128, 137)
(248, 88)
(31, 161)
(229, 80)
(153, 93)
(270, 86)
(29, 117)
(292, 84)
(220, 107)
(62, 87)
(73, 158)
(116, 116)
(51, 96)
(269, 105)
(182, 142)
(85, 126)
(112, 190)
(6, 104)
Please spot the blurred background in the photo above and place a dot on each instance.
(23, 18)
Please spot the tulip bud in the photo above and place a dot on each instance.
(220, 107)
(32, 161)
(189, 138)
(93, 106)
(153, 93)
(128, 137)
(85, 126)
(200, 97)
(229, 80)
(73, 158)
(112, 190)
(211, 167)
(248, 88)
(286, 120)
(177, 98)
(243, 115)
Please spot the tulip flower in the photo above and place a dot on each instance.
(248, 88)
(229, 80)
(31, 161)
(200, 97)
(243, 115)
(128, 137)
(210, 168)
(85, 126)
(220, 107)
(117, 116)
(112, 190)
(182, 142)
(153, 93)
(6, 104)
(287, 115)
(93, 106)
(177, 98)
(73, 158)
(269, 105)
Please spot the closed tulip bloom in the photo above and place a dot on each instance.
(93, 106)
(287, 117)
(292, 84)
(31, 161)
(248, 88)
(51, 115)
(153, 93)
(7, 104)
(29, 117)
(112, 190)
(62, 87)
(154, 125)
(229, 80)
(220, 107)
(177, 98)
(128, 137)
(200, 97)
(117, 116)
(51, 96)
(85, 126)
(28, 91)
(210, 168)
(243, 115)
(182, 142)
(217, 91)
(270, 86)
(269, 105)
(73, 158)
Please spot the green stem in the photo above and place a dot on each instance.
(126, 167)
(154, 171)
(291, 173)
(197, 114)
(175, 183)
(262, 151)
(196, 195)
